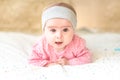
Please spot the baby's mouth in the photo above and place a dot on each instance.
(58, 43)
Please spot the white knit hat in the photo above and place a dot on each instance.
(59, 12)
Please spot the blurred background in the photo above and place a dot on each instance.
(25, 15)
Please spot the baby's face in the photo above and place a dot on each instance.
(59, 33)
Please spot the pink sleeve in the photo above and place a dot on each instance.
(38, 57)
(81, 54)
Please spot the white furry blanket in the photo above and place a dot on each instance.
(15, 49)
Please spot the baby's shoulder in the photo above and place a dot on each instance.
(78, 39)
(40, 41)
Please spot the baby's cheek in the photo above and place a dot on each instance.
(67, 41)
(50, 41)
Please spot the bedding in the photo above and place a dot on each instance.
(15, 49)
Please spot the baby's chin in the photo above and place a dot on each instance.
(59, 48)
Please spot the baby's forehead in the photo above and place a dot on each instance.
(59, 26)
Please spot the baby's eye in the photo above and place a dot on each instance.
(65, 30)
(53, 30)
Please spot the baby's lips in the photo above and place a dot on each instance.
(58, 43)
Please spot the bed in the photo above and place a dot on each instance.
(15, 49)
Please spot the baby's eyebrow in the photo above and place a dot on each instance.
(51, 26)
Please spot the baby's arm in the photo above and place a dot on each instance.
(38, 60)
(81, 54)
(82, 57)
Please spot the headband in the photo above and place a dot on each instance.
(59, 12)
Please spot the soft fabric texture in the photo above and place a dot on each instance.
(59, 12)
(75, 52)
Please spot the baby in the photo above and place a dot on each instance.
(59, 45)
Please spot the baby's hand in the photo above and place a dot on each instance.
(62, 61)
(51, 64)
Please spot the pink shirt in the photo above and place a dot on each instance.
(75, 52)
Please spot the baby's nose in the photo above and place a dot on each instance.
(59, 35)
